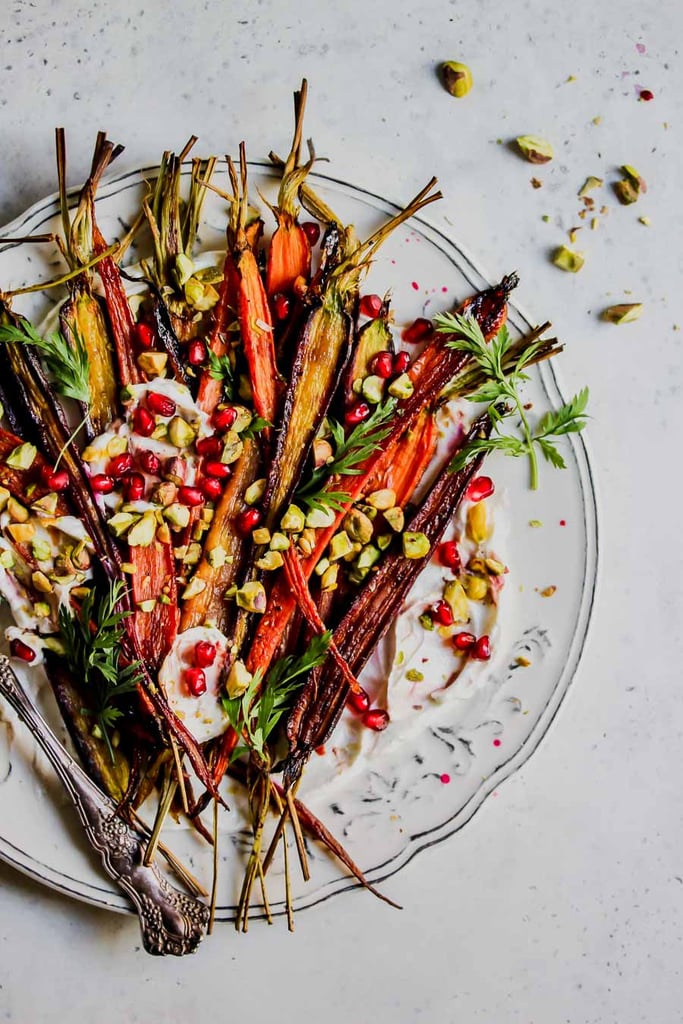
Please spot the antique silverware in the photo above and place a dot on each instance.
(171, 921)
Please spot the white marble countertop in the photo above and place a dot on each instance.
(561, 901)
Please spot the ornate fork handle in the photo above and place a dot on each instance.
(171, 921)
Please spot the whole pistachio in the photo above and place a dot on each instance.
(456, 78)
(534, 149)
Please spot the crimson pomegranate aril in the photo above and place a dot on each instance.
(195, 680)
(383, 365)
(209, 447)
(464, 641)
(190, 496)
(144, 335)
(18, 649)
(150, 463)
(120, 465)
(311, 230)
(134, 487)
(401, 362)
(212, 488)
(196, 352)
(442, 613)
(55, 479)
(281, 305)
(248, 520)
(479, 488)
(204, 654)
(101, 483)
(356, 414)
(143, 422)
(223, 419)
(162, 405)
(376, 719)
(418, 331)
(370, 305)
(481, 650)
(359, 701)
(449, 556)
(213, 467)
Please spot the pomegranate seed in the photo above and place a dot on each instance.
(120, 465)
(134, 487)
(143, 422)
(191, 496)
(401, 362)
(144, 335)
(383, 365)
(218, 469)
(479, 488)
(196, 352)
(311, 230)
(55, 479)
(376, 718)
(223, 419)
(281, 306)
(647, 95)
(449, 555)
(195, 680)
(18, 649)
(359, 702)
(464, 641)
(212, 488)
(160, 404)
(441, 612)
(150, 463)
(204, 654)
(370, 305)
(356, 414)
(101, 483)
(418, 331)
(248, 520)
(482, 649)
(209, 447)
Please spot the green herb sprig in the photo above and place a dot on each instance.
(92, 641)
(348, 455)
(255, 714)
(500, 390)
(68, 364)
(254, 428)
(220, 368)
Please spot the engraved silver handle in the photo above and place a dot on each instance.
(171, 922)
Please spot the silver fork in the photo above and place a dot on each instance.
(171, 922)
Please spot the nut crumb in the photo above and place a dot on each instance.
(548, 591)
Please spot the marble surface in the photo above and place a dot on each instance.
(561, 901)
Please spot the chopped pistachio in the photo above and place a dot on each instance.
(120, 523)
(21, 533)
(456, 599)
(307, 541)
(278, 542)
(414, 676)
(251, 597)
(644, 220)
(494, 567)
(41, 583)
(568, 260)
(373, 389)
(143, 532)
(165, 493)
(116, 446)
(4, 497)
(261, 535)
(147, 605)
(153, 363)
(535, 523)
(163, 533)
(270, 560)
(340, 545)
(244, 418)
(320, 518)
(255, 492)
(589, 184)
(475, 587)
(217, 557)
(128, 568)
(180, 433)
(456, 78)
(160, 432)
(382, 500)
(194, 588)
(47, 505)
(233, 447)
(238, 679)
(477, 526)
(534, 149)
(328, 580)
(358, 526)
(383, 540)
(42, 609)
(183, 268)
(293, 521)
(53, 643)
(426, 621)
(209, 275)
(22, 456)
(41, 550)
(415, 545)
(625, 313)
(193, 554)
(321, 566)
(395, 518)
(177, 515)
(322, 452)
(17, 512)
(402, 386)
(368, 557)
(6, 559)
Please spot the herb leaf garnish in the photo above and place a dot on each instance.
(501, 391)
(253, 715)
(92, 641)
(348, 455)
(68, 364)
(220, 368)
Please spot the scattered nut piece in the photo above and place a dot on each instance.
(624, 313)
(590, 183)
(534, 149)
(567, 260)
(456, 78)
(548, 591)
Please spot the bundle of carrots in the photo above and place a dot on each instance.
(242, 486)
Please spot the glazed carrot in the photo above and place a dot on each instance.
(401, 469)
(154, 578)
(289, 253)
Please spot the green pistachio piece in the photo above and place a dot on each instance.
(322, 565)
(5, 496)
(146, 606)
(22, 456)
(270, 560)
(261, 535)
(180, 433)
(217, 557)
(233, 447)
(567, 259)
(194, 588)
(340, 546)
(244, 418)
(255, 492)
(426, 621)
(41, 583)
(401, 387)
(625, 313)
(293, 521)
(6, 559)
(120, 523)
(368, 557)
(177, 515)
(383, 540)
(456, 78)
(358, 526)
(320, 518)
(415, 545)
(534, 149)
(455, 597)
(153, 363)
(238, 679)
(382, 500)
(278, 542)
(395, 518)
(143, 532)
(41, 550)
(17, 512)
(46, 505)
(414, 676)
(184, 268)
(328, 580)
(372, 389)
(252, 597)
(589, 184)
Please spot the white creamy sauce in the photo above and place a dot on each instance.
(203, 716)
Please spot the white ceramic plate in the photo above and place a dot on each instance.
(423, 786)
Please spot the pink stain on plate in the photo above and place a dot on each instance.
(641, 48)
(415, 285)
